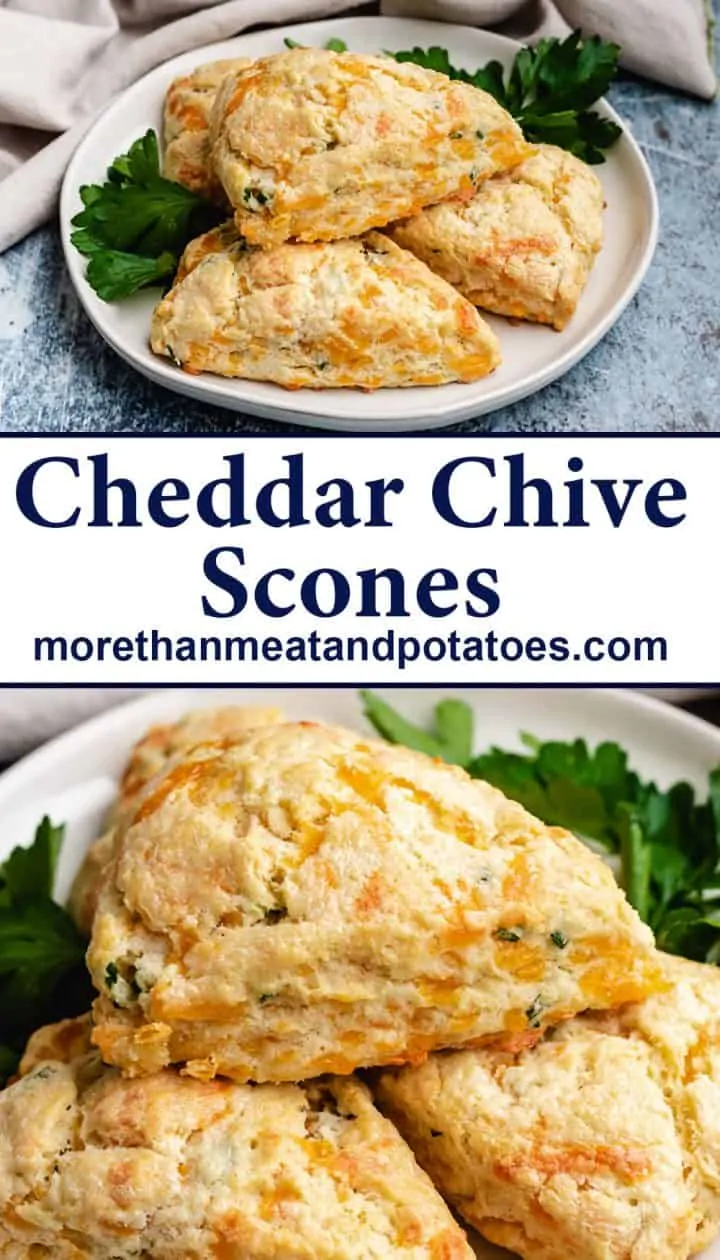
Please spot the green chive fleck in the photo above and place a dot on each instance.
(508, 934)
(534, 1012)
(257, 195)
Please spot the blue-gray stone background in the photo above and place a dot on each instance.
(657, 370)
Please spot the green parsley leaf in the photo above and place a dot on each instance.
(43, 976)
(549, 89)
(31, 872)
(636, 858)
(136, 209)
(332, 45)
(115, 275)
(455, 726)
(135, 225)
(450, 739)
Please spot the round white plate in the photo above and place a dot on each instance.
(533, 356)
(73, 778)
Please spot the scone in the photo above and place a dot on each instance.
(186, 127)
(361, 314)
(305, 900)
(602, 1142)
(524, 246)
(148, 757)
(93, 1167)
(317, 145)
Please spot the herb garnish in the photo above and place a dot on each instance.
(549, 89)
(664, 844)
(450, 737)
(332, 45)
(135, 225)
(42, 972)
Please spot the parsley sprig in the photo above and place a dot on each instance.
(42, 971)
(549, 89)
(665, 844)
(135, 225)
(331, 45)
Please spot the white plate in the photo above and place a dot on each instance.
(533, 356)
(73, 778)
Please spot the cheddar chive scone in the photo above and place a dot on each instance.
(162, 742)
(94, 1167)
(317, 145)
(346, 314)
(525, 245)
(601, 1142)
(186, 127)
(305, 900)
(148, 757)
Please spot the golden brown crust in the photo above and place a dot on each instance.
(306, 900)
(151, 754)
(147, 758)
(349, 314)
(603, 1141)
(93, 1167)
(186, 127)
(524, 246)
(316, 145)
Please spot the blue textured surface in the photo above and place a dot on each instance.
(659, 368)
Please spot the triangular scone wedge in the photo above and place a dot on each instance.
(361, 314)
(94, 1167)
(525, 245)
(148, 757)
(306, 900)
(186, 126)
(601, 1142)
(317, 145)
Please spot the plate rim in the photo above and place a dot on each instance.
(296, 407)
(115, 716)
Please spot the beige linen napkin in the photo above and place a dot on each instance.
(30, 716)
(61, 61)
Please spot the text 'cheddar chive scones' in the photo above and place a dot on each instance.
(317, 145)
(148, 757)
(601, 1142)
(93, 1167)
(347, 314)
(524, 246)
(305, 900)
(186, 127)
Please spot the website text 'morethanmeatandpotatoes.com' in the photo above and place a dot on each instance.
(401, 650)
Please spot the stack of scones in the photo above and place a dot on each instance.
(376, 207)
(342, 989)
